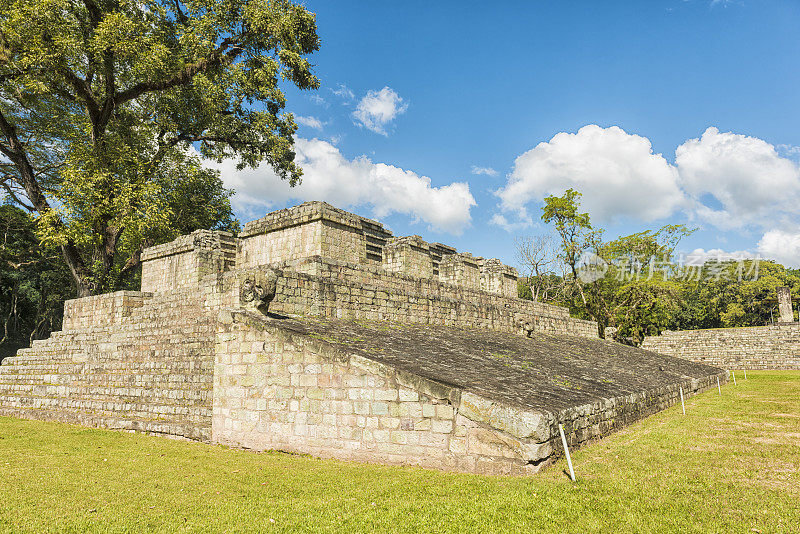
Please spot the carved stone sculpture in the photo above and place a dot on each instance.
(785, 304)
(257, 288)
(525, 326)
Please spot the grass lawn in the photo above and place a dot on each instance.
(732, 464)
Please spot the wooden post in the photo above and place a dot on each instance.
(566, 451)
(733, 374)
(718, 388)
(745, 374)
(682, 404)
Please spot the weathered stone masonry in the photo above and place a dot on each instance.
(365, 391)
(124, 360)
(757, 347)
(378, 348)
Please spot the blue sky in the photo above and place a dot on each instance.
(418, 97)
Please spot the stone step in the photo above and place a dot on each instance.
(167, 396)
(117, 405)
(182, 339)
(199, 429)
(171, 359)
(189, 387)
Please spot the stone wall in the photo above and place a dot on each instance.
(277, 389)
(408, 255)
(318, 286)
(757, 347)
(462, 270)
(311, 229)
(102, 310)
(498, 278)
(182, 263)
(318, 229)
(292, 243)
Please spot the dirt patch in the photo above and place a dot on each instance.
(787, 486)
(706, 447)
(787, 438)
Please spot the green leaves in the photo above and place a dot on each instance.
(635, 293)
(563, 211)
(644, 290)
(732, 293)
(33, 283)
(574, 228)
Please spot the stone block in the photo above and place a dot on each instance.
(442, 426)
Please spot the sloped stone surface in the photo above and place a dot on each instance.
(544, 372)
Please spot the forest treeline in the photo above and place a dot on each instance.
(637, 285)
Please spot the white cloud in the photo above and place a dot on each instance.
(782, 246)
(488, 171)
(343, 182)
(311, 122)
(318, 100)
(521, 223)
(743, 178)
(618, 174)
(379, 108)
(728, 180)
(343, 92)
(700, 256)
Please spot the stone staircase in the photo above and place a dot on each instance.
(151, 371)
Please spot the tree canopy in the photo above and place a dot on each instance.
(636, 284)
(107, 107)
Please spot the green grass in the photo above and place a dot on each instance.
(730, 465)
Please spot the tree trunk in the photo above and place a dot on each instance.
(79, 276)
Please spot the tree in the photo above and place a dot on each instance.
(538, 259)
(640, 294)
(33, 283)
(733, 293)
(574, 228)
(634, 284)
(624, 283)
(577, 238)
(107, 106)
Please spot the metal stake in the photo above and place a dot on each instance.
(566, 451)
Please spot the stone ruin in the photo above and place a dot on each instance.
(774, 346)
(318, 331)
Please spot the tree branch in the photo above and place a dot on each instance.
(229, 50)
(133, 262)
(13, 194)
(179, 14)
(15, 151)
(94, 12)
(83, 90)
